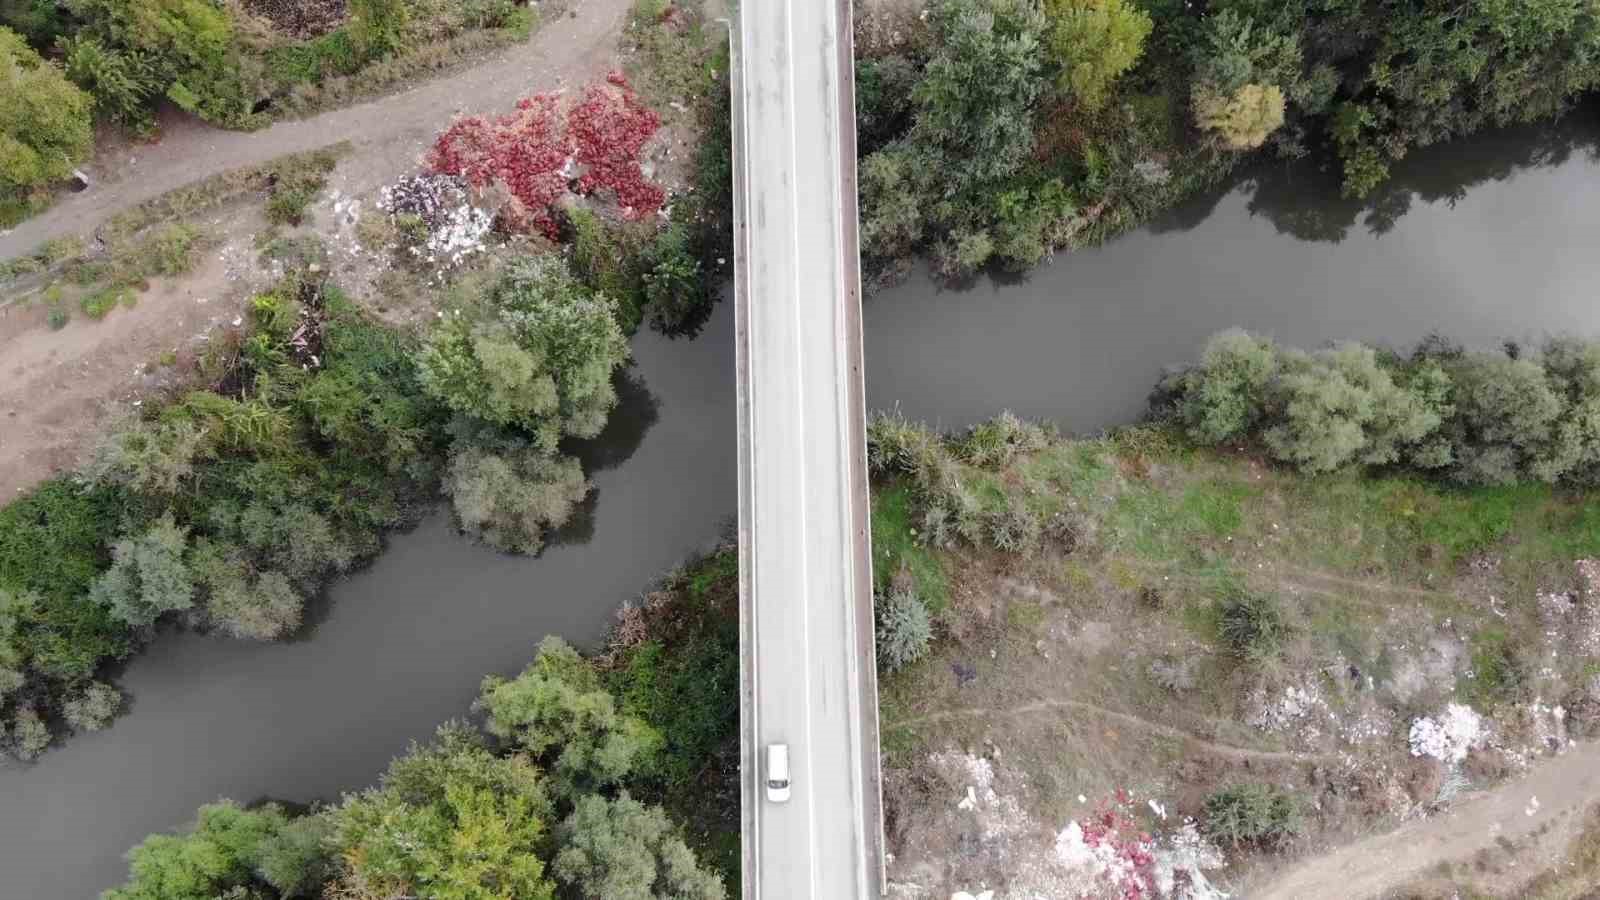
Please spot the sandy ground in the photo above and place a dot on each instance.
(1549, 803)
(389, 134)
(59, 388)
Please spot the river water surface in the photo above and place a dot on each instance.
(1491, 238)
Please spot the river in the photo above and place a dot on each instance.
(1486, 239)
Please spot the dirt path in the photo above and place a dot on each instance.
(1226, 751)
(389, 134)
(59, 388)
(1565, 787)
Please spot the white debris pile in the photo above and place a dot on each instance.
(1278, 712)
(1181, 860)
(1588, 601)
(1449, 737)
(456, 228)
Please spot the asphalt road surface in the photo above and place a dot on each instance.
(808, 676)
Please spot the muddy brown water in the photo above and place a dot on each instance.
(1482, 240)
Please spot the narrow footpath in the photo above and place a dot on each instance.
(389, 134)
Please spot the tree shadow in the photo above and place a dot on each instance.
(636, 412)
(1302, 199)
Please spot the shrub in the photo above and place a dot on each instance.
(122, 83)
(895, 188)
(151, 457)
(1252, 814)
(1222, 398)
(218, 857)
(538, 352)
(975, 102)
(44, 122)
(148, 575)
(255, 605)
(1094, 41)
(623, 850)
(1505, 412)
(451, 820)
(904, 629)
(1242, 119)
(509, 496)
(93, 708)
(377, 27)
(1339, 405)
(675, 289)
(559, 712)
(995, 443)
(1251, 626)
(30, 736)
(58, 318)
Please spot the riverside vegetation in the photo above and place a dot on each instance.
(574, 785)
(312, 432)
(1001, 130)
(235, 64)
(1318, 592)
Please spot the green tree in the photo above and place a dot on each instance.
(241, 601)
(44, 125)
(1094, 42)
(92, 708)
(975, 102)
(537, 353)
(508, 494)
(190, 45)
(1223, 397)
(220, 853)
(1338, 406)
(1505, 415)
(559, 711)
(623, 850)
(122, 83)
(148, 575)
(1242, 119)
(451, 822)
(896, 188)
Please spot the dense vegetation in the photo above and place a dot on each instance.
(44, 127)
(227, 62)
(1475, 417)
(1000, 130)
(540, 807)
(316, 431)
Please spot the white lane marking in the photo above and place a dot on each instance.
(800, 395)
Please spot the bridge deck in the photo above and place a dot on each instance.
(808, 675)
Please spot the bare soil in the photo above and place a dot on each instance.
(389, 134)
(1532, 818)
(58, 389)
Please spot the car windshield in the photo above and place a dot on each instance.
(776, 784)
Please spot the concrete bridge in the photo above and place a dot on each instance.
(808, 674)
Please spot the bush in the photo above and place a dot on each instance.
(508, 496)
(152, 457)
(1094, 41)
(377, 27)
(148, 575)
(623, 850)
(1223, 397)
(1256, 815)
(44, 122)
(1339, 405)
(904, 629)
(93, 708)
(537, 352)
(1242, 119)
(30, 736)
(558, 711)
(122, 83)
(218, 857)
(676, 292)
(1251, 626)
(1506, 411)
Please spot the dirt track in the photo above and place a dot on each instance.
(1565, 787)
(389, 134)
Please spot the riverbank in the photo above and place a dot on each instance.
(1135, 634)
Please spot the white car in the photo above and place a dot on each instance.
(778, 773)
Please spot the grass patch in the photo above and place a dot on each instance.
(896, 548)
(1158, 529)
